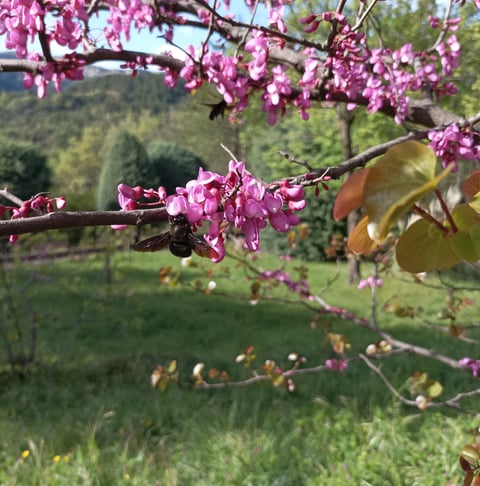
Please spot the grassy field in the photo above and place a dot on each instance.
(85, 413)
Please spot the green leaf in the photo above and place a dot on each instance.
(425, 247)
(172, 367)
(471, 454)
(434, 389)
(465, 242)
(401, 177)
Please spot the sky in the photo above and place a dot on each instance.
(151, 43)
(148, 42)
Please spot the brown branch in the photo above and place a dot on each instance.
(256, 378)
(421, 351)
(63, 220)
(356, 162)
(387, 382)
(451, 402)
(401, 345)
(364, 15)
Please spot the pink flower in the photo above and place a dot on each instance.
(336, 364)
(473, 364)
(370, 282)
(176, 205)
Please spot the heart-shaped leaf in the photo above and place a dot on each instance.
(471, 185)
(350, 195)
(425, 247)
(359, 242)
(465, 241)
(400, 178)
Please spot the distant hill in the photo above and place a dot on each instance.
(103, 98)
(13, 82)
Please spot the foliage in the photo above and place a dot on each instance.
(77, 168)
(173, 165)
(17, 164)
(314, 142)
(389, 188)
(125, 160)
(98, 103)
(99, 342)
(322, 228)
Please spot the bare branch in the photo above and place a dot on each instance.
(387, 382)
(256, 378)
(11, 197)
(451, 402)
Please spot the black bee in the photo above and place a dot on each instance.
(179, 238)
(217, 109)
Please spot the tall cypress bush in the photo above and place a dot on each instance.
(173, 165)
(126, 161)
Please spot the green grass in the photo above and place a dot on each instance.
(86, 414)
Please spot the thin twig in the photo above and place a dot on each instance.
(364, 15)
(387, 382)
(444, 29)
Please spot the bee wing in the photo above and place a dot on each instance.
(201, 247)
(154, 243)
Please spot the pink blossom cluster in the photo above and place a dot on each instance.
(473, 364)
(300, 287)
(22, 21)
(39, 204)
(455, 143)
(370, 282)
(382, 76)
(237, 199)
(123, 14)
(336, 364)
(69, 68)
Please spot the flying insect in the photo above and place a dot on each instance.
(179, 239)
(217, 109)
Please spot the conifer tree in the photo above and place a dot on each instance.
(172, 164)
(126, 161)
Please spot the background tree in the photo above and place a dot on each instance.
(77, 167)
(18, 162)
(125, 160)
(172, 164)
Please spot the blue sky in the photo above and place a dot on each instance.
(151, 42)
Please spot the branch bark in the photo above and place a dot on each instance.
(63, 220)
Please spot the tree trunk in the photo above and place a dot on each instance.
(345, 121)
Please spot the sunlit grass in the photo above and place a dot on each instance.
(85, 412)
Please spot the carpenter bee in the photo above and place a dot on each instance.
(179, 238)
(217, 109)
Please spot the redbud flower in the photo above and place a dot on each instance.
(370, 282)
(336, 364)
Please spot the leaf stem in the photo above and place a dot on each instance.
(446, 211)
(428, 217)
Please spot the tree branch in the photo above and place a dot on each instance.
(63, 220)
